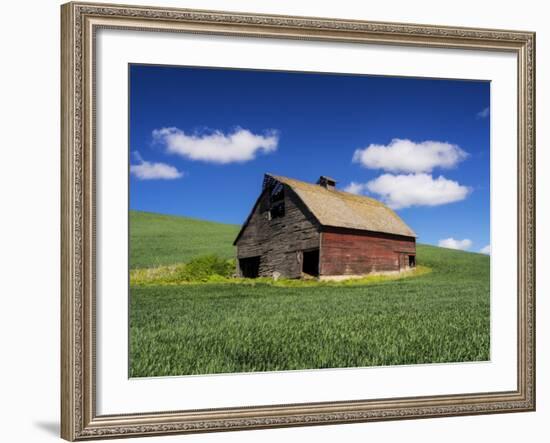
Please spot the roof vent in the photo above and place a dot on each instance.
(326, 182)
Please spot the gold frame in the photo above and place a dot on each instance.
(79, 21)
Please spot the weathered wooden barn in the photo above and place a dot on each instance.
(297, 228)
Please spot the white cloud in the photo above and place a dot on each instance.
(486, 250)
(403, 155)
(403, 191)
(355, 188)
(145, 170)
(455, 244)
(484, 113)
(239, 146)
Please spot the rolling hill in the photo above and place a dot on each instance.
(157, 239)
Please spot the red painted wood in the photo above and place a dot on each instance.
(345, 251)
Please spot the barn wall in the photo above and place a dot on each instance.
(349, 252)
(279, 241)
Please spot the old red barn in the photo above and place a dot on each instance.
(297, 228)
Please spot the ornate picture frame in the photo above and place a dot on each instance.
(80, 22)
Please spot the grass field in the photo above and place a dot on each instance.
(157, 239)
(204, 328)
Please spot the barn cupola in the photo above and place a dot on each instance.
(326, 182)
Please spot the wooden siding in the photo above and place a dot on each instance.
(279, 241)
(351, 252)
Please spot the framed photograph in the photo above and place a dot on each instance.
(283, 221)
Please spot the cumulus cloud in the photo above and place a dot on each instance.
(145, 170)
(403, 191)
(455, 244)
(484, 113)
(239, 146)
(355, 188)
(486, 250)
(402, 155)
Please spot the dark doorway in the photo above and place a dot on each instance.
(311, 262)
(412, 261)
(250, 266)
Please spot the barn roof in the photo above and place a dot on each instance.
(342, 209)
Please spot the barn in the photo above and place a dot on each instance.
(298, 229)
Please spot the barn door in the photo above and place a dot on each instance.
(310, 262)
(250, 267)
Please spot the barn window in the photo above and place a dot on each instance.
(277, 201)
(412, 261)
(250, 266)
(264, 205)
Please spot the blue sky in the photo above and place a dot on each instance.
(201, 140)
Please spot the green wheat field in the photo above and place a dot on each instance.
(188, 315)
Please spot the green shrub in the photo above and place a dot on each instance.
(204, 267)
